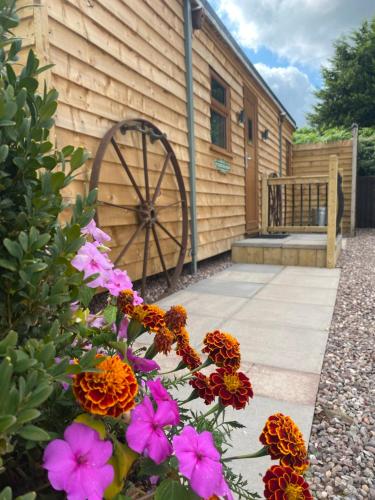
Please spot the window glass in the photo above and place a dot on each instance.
(218, 91)
(218, 129)
(249, 130)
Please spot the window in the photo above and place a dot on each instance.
(220, 112)
(249, 131)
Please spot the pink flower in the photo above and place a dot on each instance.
(137, 299)
(142, 364)
(116, 281)
(160, 394)
(123, 329)
(98, 235)
(199, 461)
(91, 261)
(95, 321)
(78, 464)
(145, 433)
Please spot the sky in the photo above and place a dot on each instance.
(289, 41)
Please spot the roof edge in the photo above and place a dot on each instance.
(229, 39)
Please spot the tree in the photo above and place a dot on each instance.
(348, 92)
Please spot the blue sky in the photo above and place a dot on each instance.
(289, 40)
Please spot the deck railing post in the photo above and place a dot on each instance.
(332, 211)
(265, 207)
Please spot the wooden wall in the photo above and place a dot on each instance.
(125, 59)
(310, 159)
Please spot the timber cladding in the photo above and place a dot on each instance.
(313, 159)
(124, 59)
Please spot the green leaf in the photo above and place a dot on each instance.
(13, 248)
(67, 151)
(85, 295)
(34, 433)
(39, 395)
(27, 415)
(10, 341)
(8, 264)
(6, 421)
(4, 150)
(79, 157)
(6, 494)
(169, 489)
(27, 496)
(110, 313)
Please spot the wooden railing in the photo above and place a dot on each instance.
(305, 204)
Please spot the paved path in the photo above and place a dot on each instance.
(281, 317)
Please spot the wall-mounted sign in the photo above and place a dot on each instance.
(222, 166)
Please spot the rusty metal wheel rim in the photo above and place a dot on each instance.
(147, 209)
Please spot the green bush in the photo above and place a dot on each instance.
(38, 282)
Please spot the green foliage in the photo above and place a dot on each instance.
(348, 92)
(37, 280)
(366, 143)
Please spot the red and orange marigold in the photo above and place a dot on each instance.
(111, 391)
(125, 301)
(190, 357)
(175, 318)
(233, 388)
(150, 316)
(223, 349)
(182, 337)
(283, 483)
(163, 340)
(285, 442)
(202, 385)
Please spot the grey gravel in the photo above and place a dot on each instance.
(342, 442)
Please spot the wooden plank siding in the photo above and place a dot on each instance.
(125, 59)
(313, 159)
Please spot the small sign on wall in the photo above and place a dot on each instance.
(222, 166)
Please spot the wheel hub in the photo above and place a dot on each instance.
(147, 212)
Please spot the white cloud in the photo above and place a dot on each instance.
(292, 87)
(302, 31)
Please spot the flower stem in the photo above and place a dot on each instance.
(212, 410)
(260, 453)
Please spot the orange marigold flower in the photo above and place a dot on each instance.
(285, 442)
(175, 318)
(182, 337)
(190, 357)
(222, 349)
(109, 392)
(150, 316)
(283, 483)
(163, 341)
(125, 301)
(233, 388)
(201, 384)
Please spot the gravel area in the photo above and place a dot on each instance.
(342, 442)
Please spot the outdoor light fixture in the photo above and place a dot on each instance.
(265, 134)
(241, 116)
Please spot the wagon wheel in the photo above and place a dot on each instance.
(146, 196)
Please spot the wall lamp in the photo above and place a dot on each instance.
(241, 116)
(265, 134)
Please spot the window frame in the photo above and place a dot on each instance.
(223, 110)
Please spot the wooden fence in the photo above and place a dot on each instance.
(305, 204)
(313, 159)
(366, 201)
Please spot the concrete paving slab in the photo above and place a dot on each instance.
(219, 306)
(244, 276)
(283, 346)
(257, 268)
(286, 313)
(306, 280)
(182, 297)
(234, 288)
(313, 271)
(299, 294)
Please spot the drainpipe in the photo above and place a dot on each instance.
(354, 179)
(282, 116)
(188, 34)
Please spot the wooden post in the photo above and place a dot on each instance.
(264, 203)
(332, 211)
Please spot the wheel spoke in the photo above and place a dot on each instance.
(127, 170)
(164, 207)
(124, 207)
(135, 234)
(162, 173)
(145, 259)
(156, 238)
(145, 166)
(168, 233)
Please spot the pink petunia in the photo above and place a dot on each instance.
(116, 281)
(97, 234)
(160, 394)
(199, 461)
(123, 329)
(78, 465)
(140, 364)
(91, 261)
(137, 299)
(95, 321)
(145, 433)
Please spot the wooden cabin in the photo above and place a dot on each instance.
(132, 59)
